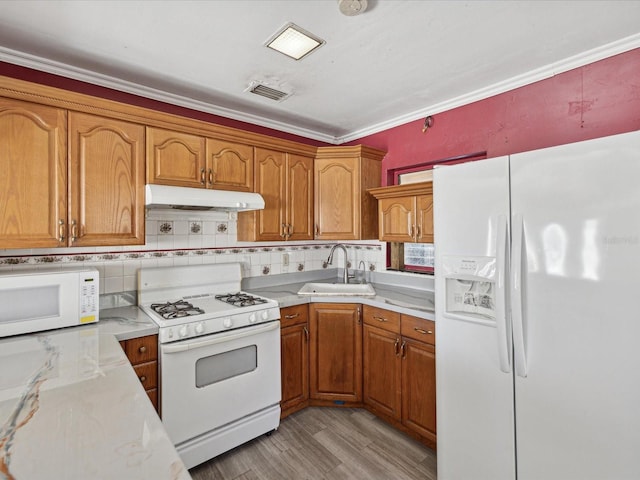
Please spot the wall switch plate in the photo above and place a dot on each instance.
(285, 259)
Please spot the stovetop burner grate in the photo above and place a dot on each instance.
(178, 309)
(240, 299)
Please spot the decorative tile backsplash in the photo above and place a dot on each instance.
(184, 239)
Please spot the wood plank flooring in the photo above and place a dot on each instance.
(325, 443)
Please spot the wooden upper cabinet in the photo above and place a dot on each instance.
(106, 181)
(299, 204)
(405, 212)
(186, 160)
(229, 165)
(396, 219)
(270, 182)
(33, 182)
(343, 208)
(175, 158)
(285, 181)
(424, 218)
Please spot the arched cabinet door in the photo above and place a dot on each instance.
(229, 165)
(106, 180)
(33, 183)
(175, 158)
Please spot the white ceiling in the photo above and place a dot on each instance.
(398, 61)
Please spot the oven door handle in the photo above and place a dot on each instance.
(216, 339)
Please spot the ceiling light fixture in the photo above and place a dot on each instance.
(294, 42)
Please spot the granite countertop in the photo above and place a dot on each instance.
(71, 407)
(410, 301)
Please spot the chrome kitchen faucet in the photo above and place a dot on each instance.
(345, 277)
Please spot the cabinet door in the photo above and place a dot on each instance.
(271, 184)
(424, 218)
(397, 219)
(229, 165)
(106, 181)
(337, 199)
(382, 387)
(299, 197)
(419, 388)
(335, 352)
(294, 355)
(175, 158)
(33, 182)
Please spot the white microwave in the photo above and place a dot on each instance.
(36, 300)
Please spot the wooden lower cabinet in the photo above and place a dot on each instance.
(142, 352)
(294, 356)
(399, 371)
(345, 354)
(419, 388)
(335, 353)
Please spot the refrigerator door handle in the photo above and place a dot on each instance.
(504, 335)
(517, 293)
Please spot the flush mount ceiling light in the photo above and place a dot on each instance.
(294, 42)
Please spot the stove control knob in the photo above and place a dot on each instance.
(265, 315)
(227, 323)
(199, 328)
(183, 331)
(170, 333)
(252, 318)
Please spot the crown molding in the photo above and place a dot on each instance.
(548, 71)
(69, 71)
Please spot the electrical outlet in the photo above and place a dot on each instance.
(285, 259)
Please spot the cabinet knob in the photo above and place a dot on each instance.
(142, 349)
(403, 349)
(143, 379)
(418, 232)
(202, 180)
(289, 317)
(380, 319)
(210, 177)
(306, 332)
(396, 346)
(284, 230)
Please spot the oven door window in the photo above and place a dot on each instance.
(222, 366)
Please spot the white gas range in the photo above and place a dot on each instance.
(219, 357)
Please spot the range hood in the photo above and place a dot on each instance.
(189, 198)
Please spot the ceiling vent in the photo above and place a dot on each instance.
(267, 92)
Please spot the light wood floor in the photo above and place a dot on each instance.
(325, 443)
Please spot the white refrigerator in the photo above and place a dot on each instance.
(538, 314)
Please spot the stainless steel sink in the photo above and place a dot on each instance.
(337, 289)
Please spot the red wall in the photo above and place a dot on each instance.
(593, 101)
(27, 74)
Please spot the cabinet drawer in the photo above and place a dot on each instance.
(294, 315)
(147, 374)
(419, 329)
(381, 318)
(141, 350)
